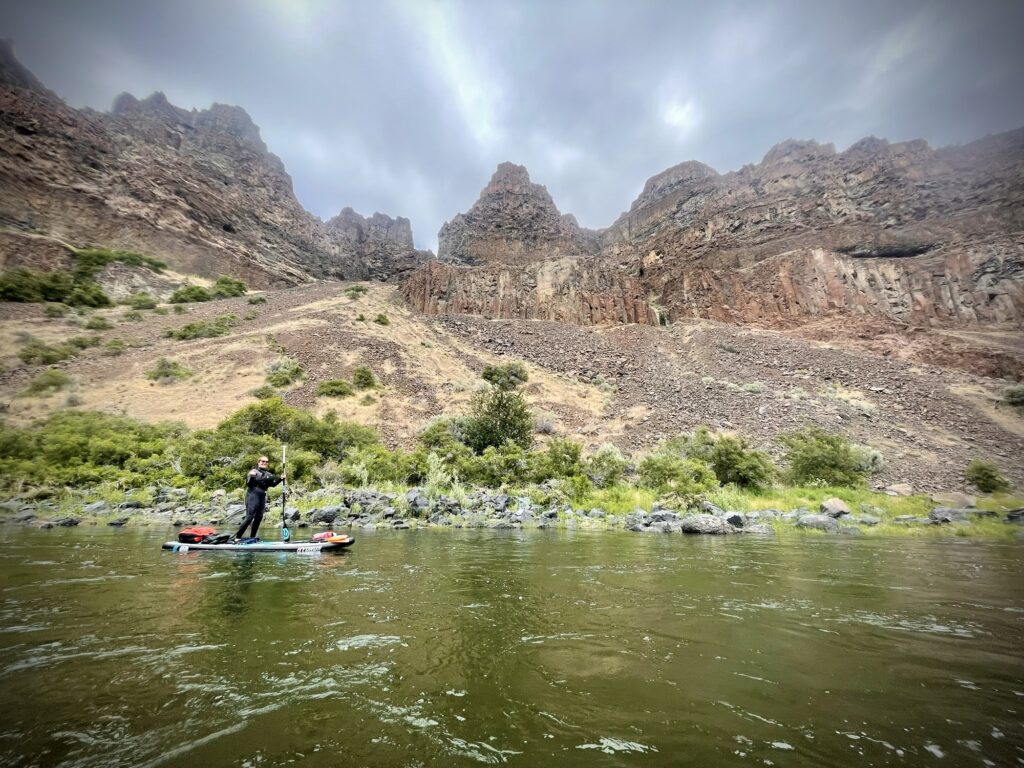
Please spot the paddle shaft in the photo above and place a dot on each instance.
(285, 533)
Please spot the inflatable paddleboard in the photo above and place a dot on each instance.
(335, 544)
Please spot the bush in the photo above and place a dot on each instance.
(1014, 395)
(84, 342)
(190, 293)
(817, 456)
(179, 310)
(382, 319)
(204, 329)
(497, 416)
(670, 473)
(508, 376)
(161, 310)
(560, 459)
(367, 400)
(27, 285)
(113, 348)
(97, 323)
(257, 299)
(985, 476)
(733, 462)
(227, 287)
(264, 393)
(607, 466)
(284, 372)
(56, 310)
(47, 382)
(334, 388)
(87, 294)
(361, 317)
(36, 352)
(132, 316)
(90, 261)
(140, 301)
(362, 378)
(355, 291)
(168, 371)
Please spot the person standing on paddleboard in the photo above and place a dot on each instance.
(256, 484)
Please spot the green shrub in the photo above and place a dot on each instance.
(733, 462)
(161, 310)
(985, 476)
(560, 459)
(505, 465)
(179, 310)
(140, 301)
(497, 416)
(47, 382)
(84, 342)
(1014, 395)
(204, 329)
(284, 372)
(56, 310)
(815, 456)
(97, 323)
(607, 466)
(666, 472)
(334, 388)
(132, 316)
(113, 348)
(257, 299)
(361, 318)
(88, 295)
(168, 371)
(90, 261)
(27, 285)
(363, 378)
(355, 291)
(36, 352)
(264, 393)
(382, 319)
(508, 376)
(227, 287)
(367, 400)
(190, 293)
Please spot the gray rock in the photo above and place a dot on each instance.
(67, 522)
(760, 528)
(500, 502)
(550, 513)
(711, 509)
(909, 519)
(130, 504)
(900, 489)
(955, 499)
(705, 524)
(947, 515)
(292, 514)
(326, 515)
(834, 507)
(818, 523)
(866, 519)
(663, 515)
(119, 522)
(96, 508)
(25, 517)
(849, 530)
(596, 513)
(734, 519)
(1015, 516)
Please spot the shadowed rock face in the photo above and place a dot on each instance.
(894, 232)
(195, 188)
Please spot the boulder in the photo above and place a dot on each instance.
(900, 489)
(326, 515)
(762, 529)
(955, 499)
(866, 519)
(96, 508)
(834, 507)
(130, 504)
(819, 523)
(67, 522)
(118, 522)
(706, 524)
(947, 515)
(734, 519)
(711, 509)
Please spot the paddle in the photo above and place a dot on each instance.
(286, 535)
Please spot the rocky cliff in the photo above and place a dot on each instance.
(196, 188)
(899, 233)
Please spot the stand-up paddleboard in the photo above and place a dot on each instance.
(335, 544)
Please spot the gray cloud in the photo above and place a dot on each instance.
(407, 107)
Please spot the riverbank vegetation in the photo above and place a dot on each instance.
(72, 453)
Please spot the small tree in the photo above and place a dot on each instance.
(363, 378)
(817, 456)
(985, 476)
(666, 472)
(495, 416)
(733, 462)
(508, 376)
(607, 466)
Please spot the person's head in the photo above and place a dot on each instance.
(263, 462)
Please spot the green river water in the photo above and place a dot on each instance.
(528, 648)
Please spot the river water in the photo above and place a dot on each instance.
(529, 648)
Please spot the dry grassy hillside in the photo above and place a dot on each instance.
(630, 385)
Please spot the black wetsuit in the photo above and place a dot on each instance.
(256, 484)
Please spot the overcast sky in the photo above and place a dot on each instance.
(407, 107)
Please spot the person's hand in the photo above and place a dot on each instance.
(252, 473)
(284, 476)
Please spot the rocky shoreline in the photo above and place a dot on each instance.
(362, 509)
